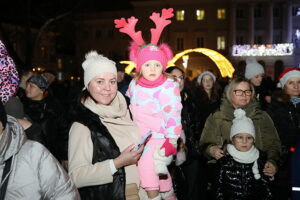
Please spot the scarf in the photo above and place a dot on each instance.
(151, 84)
(295, 100)
(116, 119)
(246, 157)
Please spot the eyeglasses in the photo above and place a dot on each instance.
(243, 138)
(242, 92)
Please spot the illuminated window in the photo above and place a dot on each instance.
(221, 43)
(221, 14)
(200, 14)
(180, 44)
(59, 63)
(180, 15)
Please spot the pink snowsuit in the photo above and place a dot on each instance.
(159, 110)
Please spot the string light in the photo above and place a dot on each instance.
(285, 49)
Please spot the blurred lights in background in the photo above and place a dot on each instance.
(225, 67)
(285, 49)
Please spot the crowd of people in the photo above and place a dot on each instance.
(149, 136)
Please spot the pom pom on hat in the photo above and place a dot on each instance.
(253, 68)
(199, 79)
(96, 64)
(241, 124)
(9, 78)
(286, 75)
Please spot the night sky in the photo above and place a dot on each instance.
(37, 12)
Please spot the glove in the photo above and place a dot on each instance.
(170, 146)
(161, 161)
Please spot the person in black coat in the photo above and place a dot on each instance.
(186, 186)
(207, 100)
(240, 173)
(285, 112)
(49, 114)
(15, 108)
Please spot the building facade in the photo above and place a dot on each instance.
(213, 24)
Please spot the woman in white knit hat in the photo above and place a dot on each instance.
(285, 112)
(240, 173)
(102, 162)
(255, 73)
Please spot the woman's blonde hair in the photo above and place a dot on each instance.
(232, 85)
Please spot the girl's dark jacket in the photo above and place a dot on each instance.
(235, 181)
(104, 148)
(50, 116)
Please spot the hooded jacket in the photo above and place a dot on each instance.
(34, 172)
(217, 129)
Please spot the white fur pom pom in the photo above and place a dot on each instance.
(91, 54)
(239, 113)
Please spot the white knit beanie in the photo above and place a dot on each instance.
(253, 68)
(96, 64)
(241, 124)
(199, 79)
(286, 75)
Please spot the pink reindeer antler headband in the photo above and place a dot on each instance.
(140, 52)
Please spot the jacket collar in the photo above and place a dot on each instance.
(227, 109)
(12, 140)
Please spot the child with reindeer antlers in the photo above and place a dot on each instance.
(155, 105)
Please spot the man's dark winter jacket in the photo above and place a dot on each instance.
(49, 114)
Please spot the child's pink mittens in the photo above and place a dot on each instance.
(170, 146)
(161, 161)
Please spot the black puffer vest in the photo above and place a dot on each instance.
(235, 181)
(104, 147)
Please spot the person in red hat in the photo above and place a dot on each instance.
(285, 112)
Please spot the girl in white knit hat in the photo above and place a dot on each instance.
(240, 173)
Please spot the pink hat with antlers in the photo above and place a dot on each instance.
(140, 52)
